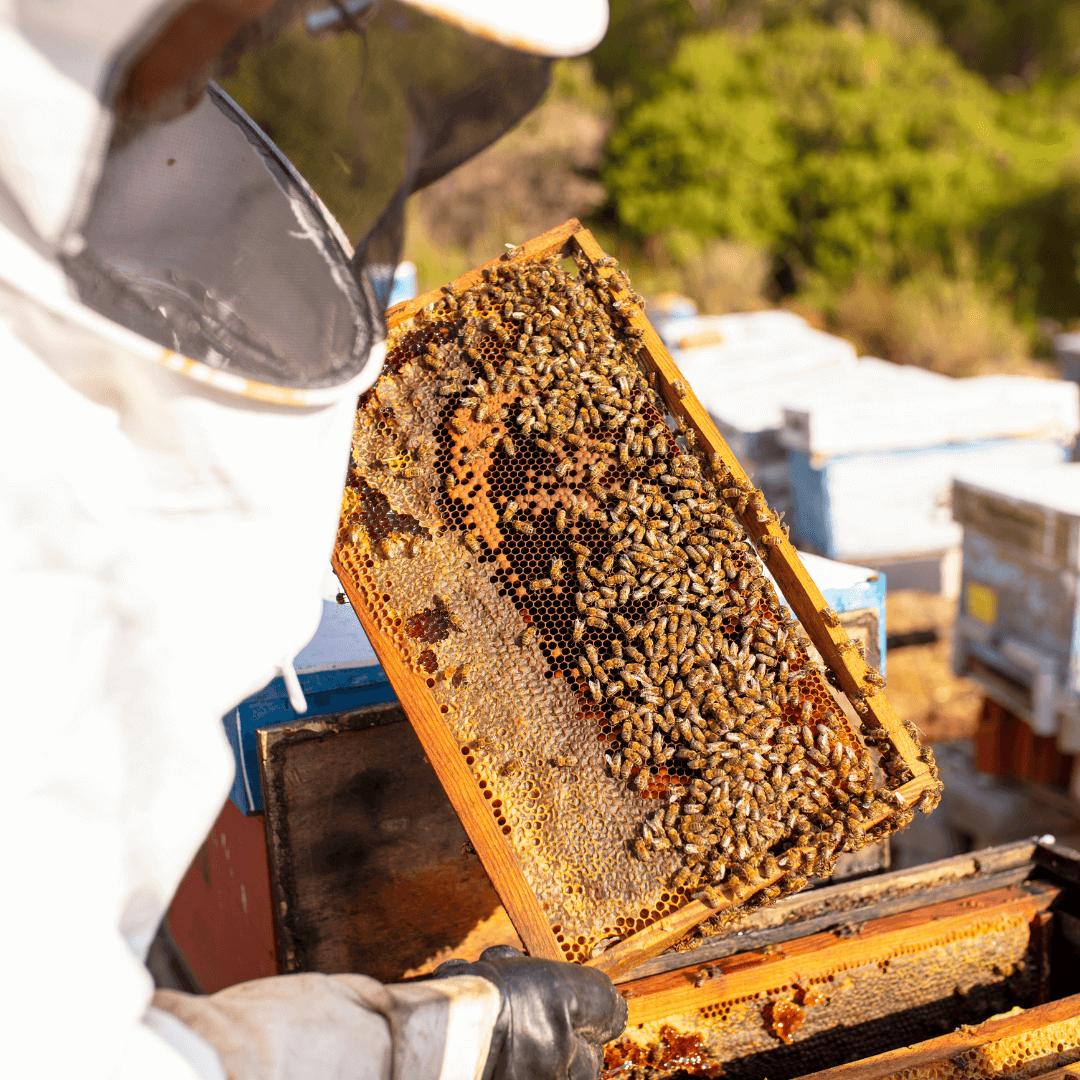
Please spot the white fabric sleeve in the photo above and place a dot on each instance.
(196, 1051)
(343, 1027)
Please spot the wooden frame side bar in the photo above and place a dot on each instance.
(836, 648)
(443, 752)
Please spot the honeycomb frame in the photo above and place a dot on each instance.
(957, 960)
(399, 624)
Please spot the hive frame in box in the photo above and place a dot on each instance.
(1041, 1041)
(883, 966)
(800, 592)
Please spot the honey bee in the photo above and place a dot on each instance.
(457, 426)
(527, 636)
(471, 542)
(523, 527)
(569, 369)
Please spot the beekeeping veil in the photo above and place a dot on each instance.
(176, 215)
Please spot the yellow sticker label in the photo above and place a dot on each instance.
(981, 603)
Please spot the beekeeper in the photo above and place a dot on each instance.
(184, 332)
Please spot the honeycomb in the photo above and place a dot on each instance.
(1030, 1053)
(853, 1009)
(548, 552)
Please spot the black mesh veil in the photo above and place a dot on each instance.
(208, 233)
(370, 114)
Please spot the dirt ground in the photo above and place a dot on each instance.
(922, 687)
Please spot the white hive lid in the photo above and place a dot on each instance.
(734, 327)
(754, 400)
(909, 408)
(1055, 487)
(760, 364)
(830, 574)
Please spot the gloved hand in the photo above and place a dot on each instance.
(555, 1017)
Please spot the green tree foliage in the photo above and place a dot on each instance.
(1011, 41)
(840, 151)
(641, 39)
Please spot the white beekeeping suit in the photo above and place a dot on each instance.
(182, 343)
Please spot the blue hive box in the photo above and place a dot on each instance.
(872, 461)
(857, 595)
(338, 671)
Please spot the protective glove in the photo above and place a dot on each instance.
(555, 1017)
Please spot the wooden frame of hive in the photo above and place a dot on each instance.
(865, 973)
(1042, 1041)
(802, 595)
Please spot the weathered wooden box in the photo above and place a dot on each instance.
(1018, 630)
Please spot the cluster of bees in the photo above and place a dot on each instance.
(677, 636)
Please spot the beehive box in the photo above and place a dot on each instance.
(872, 467)
(744, 368)
(559, 564)
(1016, 634)
(857, 990)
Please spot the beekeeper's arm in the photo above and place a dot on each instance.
(506, 1017)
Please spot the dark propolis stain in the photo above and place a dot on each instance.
(431, 625)
(375, 516)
